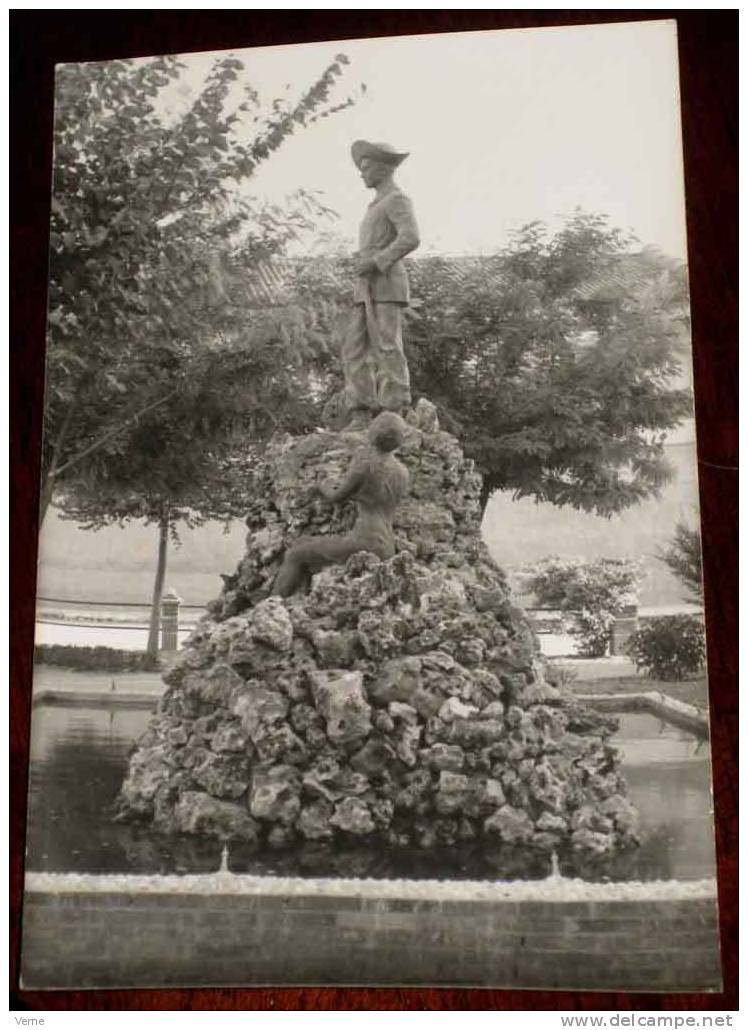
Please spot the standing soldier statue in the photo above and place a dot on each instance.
(374, 365)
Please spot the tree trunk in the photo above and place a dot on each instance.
(158, 587)
(485, 496)
(48, 479)
(45, 497)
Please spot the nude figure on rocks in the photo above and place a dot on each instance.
(377, 482)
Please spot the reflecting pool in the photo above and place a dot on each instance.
(79, 755)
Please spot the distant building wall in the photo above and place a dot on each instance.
(116, 564)
(522, 532)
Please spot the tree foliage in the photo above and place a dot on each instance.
(145, 210)
(592, 591)
(683, 557)
(159, 381)
(557, 396)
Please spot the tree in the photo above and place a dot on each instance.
(561, 387)
(555, 360)
(156, 377)
(145, 208)
(683, 557)
(188, 460)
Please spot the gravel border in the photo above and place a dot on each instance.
(553, 888)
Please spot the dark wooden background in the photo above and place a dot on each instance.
(708, 56)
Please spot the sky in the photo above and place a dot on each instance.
(503, 128)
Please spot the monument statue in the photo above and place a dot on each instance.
(400, 697)
(374, 365)
(377, 482)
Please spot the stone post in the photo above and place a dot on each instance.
(626, 623)
(170, 603)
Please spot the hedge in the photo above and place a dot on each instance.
(106, 659)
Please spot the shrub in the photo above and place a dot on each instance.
(593, 591)
(669, 648)
(105, 659)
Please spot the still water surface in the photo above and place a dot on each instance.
(79, 754)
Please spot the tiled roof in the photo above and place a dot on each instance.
(629, 276)
(270, 284)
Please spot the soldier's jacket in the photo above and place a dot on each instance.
(388, 232)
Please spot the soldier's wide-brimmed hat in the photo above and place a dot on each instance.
(376, 151)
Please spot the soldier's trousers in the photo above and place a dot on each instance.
(374, 366)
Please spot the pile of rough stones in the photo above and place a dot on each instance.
(402, 700)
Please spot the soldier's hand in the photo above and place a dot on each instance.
(364, 266)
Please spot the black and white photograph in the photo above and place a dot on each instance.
(370, 631)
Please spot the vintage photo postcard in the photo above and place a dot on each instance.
(370, 629)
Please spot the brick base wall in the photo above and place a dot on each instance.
(112, 939)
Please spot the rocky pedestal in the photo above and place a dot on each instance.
(399, 700)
